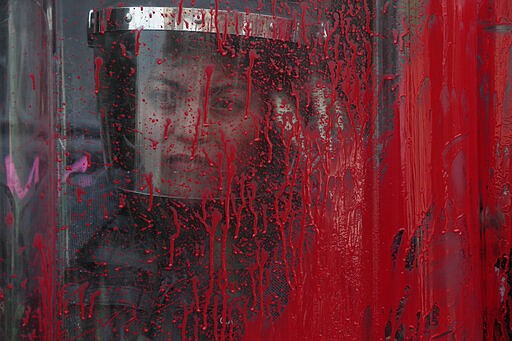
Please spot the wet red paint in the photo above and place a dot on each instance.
(252, 57)
(97, 70)
(137, 42)
(495, 143)
(180, 12)
(405, 206)
(441, 171)
(47, 284)
(208, 71)
(13, 178)
(168, 124)
(172, 239)
(425, 183)
(123, 49)
(149, 183)
(33, 80)
(9, 219)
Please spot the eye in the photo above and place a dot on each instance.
(223, 103)
(163, 98)
(226, 104)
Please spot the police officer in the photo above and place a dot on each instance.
(202, 118)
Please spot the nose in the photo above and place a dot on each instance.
(188, 118)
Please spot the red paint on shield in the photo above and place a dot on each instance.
(495, 144)
(97, 70)
(393, 202)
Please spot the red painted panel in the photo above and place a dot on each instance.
(494, 67)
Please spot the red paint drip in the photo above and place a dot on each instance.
(9, 219)
(216, 218)
(98, 61)
(137, 42)
(79, 192)
(149, 181)
(198, 131)
(237, 23)
(122, 200)
(217, 31)
(123, 49)
(268, 126)
(252, 58)
(166, 128)
(252, 197)
(46, 280)
(108, 17)
(186, 312)
(261, 259)
(238, 216)
(180, 12)
(304, 24)
(26, 317)
(177, 225)
(33, 79)
(208, 72)
(195, 290)
(230, 156)
(92, 300)
(105, 212)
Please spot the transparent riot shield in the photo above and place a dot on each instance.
(248, 170)
(27, 167)
(495, 172)
(206, 121)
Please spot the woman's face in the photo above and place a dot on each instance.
(198, 124)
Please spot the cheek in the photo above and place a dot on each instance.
(148, 121)
(239, 134)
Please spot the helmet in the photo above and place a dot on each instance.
(201, 114)
(190, 97)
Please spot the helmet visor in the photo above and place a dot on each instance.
(184, 112)
(197, 118)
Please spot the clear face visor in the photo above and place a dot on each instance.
(188, 114)
(198, 116)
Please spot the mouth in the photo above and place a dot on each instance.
(182, 162)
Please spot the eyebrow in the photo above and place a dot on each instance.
(174, 86)
(242, 86)
(226, 87)
(171, 83)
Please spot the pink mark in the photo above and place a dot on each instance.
(79, 166)
(13, 179)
